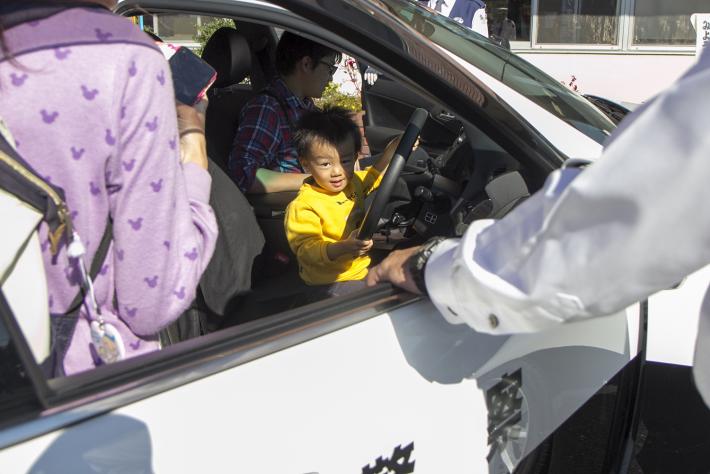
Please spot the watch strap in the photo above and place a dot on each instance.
(417, 262)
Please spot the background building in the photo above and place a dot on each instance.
(624, 50)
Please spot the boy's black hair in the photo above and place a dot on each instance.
(292, 48)
(331, 125)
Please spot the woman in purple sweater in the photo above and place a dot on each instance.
(90, 101)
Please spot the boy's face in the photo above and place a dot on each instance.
(332, 167)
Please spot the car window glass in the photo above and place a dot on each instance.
(276, 286)
(505, 66)
(17, 396)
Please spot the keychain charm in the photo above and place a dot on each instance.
(107, 341)
(105, 338)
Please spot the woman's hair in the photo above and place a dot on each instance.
(331, 125)
(292, 48)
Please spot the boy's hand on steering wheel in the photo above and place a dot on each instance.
(351, 246)
(355, 246)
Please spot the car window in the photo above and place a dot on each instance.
(276, 290)
(505, 66)
(17, 395)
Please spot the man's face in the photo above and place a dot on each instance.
(332, 167)
(318, 75)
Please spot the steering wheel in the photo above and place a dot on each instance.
(373, 215)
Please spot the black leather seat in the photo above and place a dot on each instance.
(229, 53)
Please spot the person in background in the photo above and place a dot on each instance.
(322, 222)
(90, 101)
(470, 13)
(590, 243)
(263, 157)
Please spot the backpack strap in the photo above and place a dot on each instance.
(63, 325)
(19, 179)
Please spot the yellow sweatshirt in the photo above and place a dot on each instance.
(317, 217)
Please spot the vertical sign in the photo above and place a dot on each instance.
(701, 23)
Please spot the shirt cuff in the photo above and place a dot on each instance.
(198, 182)
(437, 278)
(464, 290)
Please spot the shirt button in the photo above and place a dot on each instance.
(493, 320)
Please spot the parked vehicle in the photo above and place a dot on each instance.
(375, 381)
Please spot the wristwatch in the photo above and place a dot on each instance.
(417, 262)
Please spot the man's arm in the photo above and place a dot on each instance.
(269, 181)
(256, 141)
(630, 225)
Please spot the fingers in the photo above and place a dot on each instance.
(370, 75)
(373, 276)
(191, 118)
(363, 246)
(201, 106)
(393, 269)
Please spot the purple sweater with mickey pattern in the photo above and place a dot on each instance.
(94, 113)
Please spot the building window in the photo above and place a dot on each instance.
(592, 22)
(509, 19)
(176, 28)
(663, 22)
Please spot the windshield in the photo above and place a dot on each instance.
(505, 66)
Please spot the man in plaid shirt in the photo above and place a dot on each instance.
(263, 157)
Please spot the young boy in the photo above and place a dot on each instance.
(322, 222)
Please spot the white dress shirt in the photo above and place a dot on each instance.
(593, 242)
(479, 23)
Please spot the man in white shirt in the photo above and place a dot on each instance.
(591, 242)
(470, 13)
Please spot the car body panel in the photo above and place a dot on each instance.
(563, 136)
(341, 401)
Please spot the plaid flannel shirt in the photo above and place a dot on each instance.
(264, 138)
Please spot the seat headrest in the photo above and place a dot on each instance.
(227, 51)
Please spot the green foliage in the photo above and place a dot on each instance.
(209, 26)
(332, 95)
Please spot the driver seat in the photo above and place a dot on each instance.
(229, 53)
